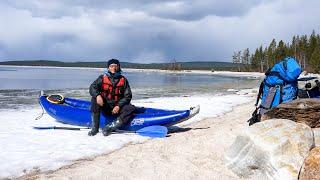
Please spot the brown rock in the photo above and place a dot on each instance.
(311, 168)
(300, 110)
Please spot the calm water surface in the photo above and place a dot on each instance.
(20, 86)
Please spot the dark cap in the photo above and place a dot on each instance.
(113, 61)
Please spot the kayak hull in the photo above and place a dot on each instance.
(77, 112)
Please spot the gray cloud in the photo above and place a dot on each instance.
(195, 10)
(147, 30)
(181, 10)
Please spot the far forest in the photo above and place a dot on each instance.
(305, 49)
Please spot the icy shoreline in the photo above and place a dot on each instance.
(26, 150)
(194, 152)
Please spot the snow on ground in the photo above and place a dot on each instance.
(24, 149)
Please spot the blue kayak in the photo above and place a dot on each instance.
(77, 112)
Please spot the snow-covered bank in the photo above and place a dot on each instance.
(24, 149)
(194, 152)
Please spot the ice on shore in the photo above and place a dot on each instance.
(24, 149)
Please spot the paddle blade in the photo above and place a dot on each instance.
(153, 131)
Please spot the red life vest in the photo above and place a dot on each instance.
(111, 92)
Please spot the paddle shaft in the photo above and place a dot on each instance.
(78, 129)
(150, 131)
(68, 128)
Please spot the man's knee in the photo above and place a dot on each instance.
(126, 112)
(128, 109)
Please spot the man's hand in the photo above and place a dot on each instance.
(115, 110)
(99, 100)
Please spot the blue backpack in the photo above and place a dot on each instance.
(279, 86)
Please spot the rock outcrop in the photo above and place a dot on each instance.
(300, 110)
(311, 166)
(273, 149)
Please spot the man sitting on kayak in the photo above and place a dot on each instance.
(111, 94)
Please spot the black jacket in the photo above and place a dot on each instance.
(96, 88)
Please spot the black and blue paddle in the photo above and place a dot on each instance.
(149, 131)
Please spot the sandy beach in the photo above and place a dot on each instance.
(194, 152)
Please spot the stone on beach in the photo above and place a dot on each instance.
(273, 149)
(311, 166)
(300, 110)
(316, 134)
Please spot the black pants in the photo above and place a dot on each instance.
(126, 112)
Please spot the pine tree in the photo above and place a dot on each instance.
(312, 44)
(305, 50)
(315, 59)
(245, 56)
(255, 61)
(295, 48)
(303, 43)
(266, 58)
(261, 59)
(271, 53)
(237, 59)
(281, 51)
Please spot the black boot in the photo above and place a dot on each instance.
(95, 119)
(112, 126)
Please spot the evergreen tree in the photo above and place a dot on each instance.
(281, 51)
(255, 61)
(312, 44)
(305, 49)
(245, 56)
(237, 59)
(303, 43)
(295, 48)
(315, 59)
(266, 58)
(271, 53)
(261, 59)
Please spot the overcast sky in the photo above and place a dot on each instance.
(148, 31)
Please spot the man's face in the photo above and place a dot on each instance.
(113, 68)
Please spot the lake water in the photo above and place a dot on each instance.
(20, 86)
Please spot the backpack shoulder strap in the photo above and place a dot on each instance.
(256, 117)
(259, 93)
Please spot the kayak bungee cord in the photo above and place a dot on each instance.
(43, 112)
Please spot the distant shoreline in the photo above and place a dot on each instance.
(208, 72)
(194, 65)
